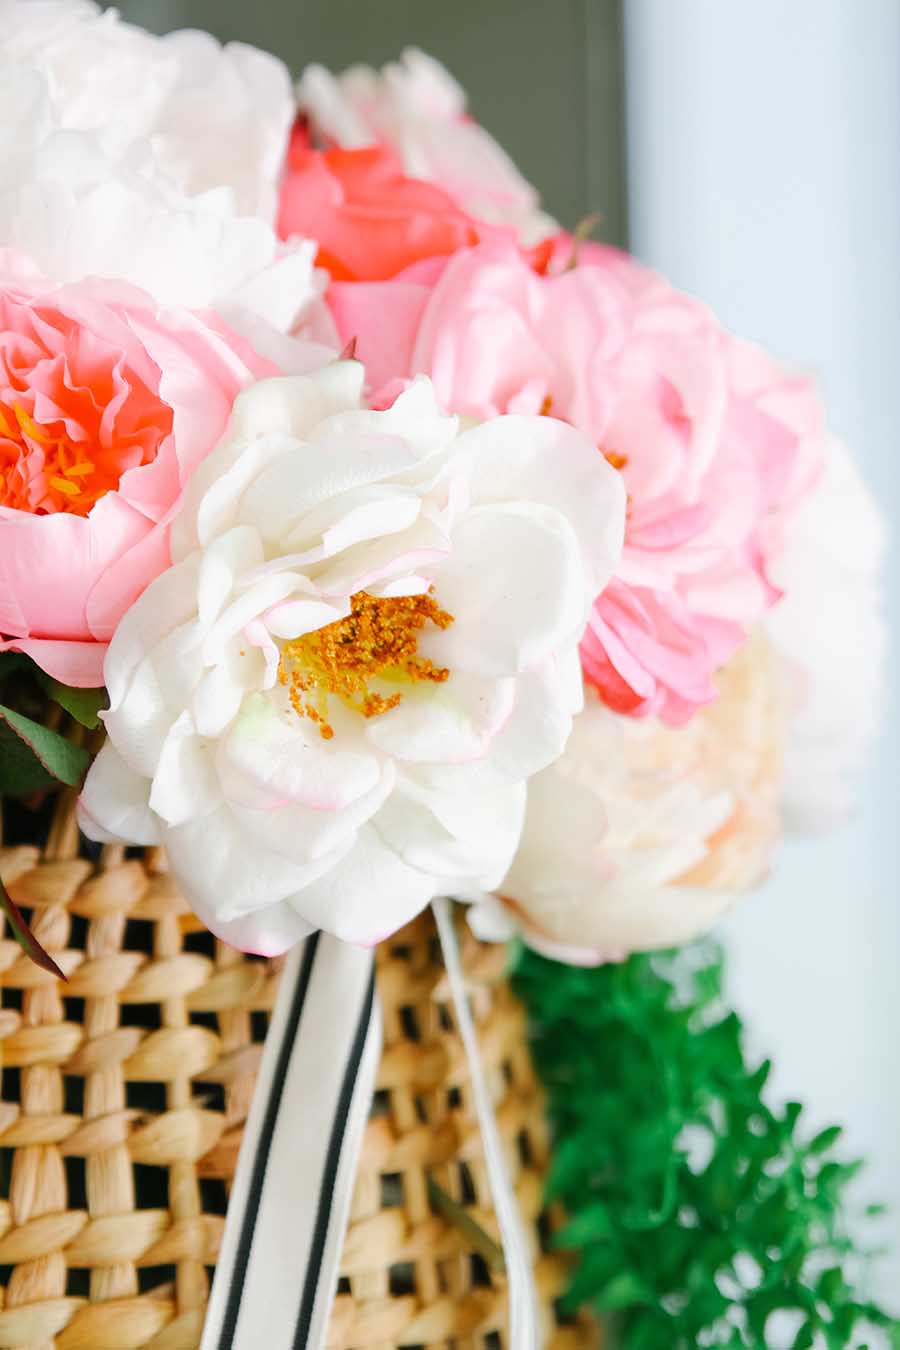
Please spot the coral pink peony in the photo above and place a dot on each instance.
(714, 441)
(370, 219)
(415, 108)
(107, 404)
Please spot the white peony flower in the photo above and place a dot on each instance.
(327, 709)
(126, 156)
(415, 106)
(642, 834)
(215, 117)
(831, 631)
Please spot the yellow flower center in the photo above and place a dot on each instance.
(378, 640)
(65, 469)
(614, 459)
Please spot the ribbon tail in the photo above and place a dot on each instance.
(277, 1273)
(523, 1316)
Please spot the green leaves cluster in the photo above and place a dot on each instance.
(697, 1209)
(35, 757)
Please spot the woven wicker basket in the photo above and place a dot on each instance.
(124, 1094)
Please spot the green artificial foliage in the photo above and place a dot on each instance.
(697, 1209)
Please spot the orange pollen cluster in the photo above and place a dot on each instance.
(377, 640)
(615, 459)
(66, 472)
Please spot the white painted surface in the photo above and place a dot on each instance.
(764, 165)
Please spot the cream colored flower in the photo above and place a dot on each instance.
(830, 630)
(642, 834)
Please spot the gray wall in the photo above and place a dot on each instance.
(544, 78)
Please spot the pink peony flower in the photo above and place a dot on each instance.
(715, 442)
(107, 404)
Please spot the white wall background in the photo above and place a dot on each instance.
(764, 176)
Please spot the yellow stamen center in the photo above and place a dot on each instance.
(65, 470)
(615, 459)
(378, 640)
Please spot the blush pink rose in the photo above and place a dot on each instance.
(107, 404)
(715, 442)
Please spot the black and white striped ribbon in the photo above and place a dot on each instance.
(287, 1214)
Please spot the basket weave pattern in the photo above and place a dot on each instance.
(124, 1096)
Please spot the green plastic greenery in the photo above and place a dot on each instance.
(696, 1208)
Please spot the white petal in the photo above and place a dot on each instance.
(307, 835)
(519, 458)
(158, 690)
(293, 618)
(368, 895)
(185, 785)
(224, 872)
(114, 803)
(213, 493)
(222, 563)
(267, 932)
(167, 602)
(468, 837)
(271, 590)
(219, 694)
(307, 476)
(454, 721)
(272, 756)
(293, 404)
(491, 921)
(377, 561)
(515, 585)
(414, 420)
(537, 732)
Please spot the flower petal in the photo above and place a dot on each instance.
(516, 587)
(274, 756)
(114, 803)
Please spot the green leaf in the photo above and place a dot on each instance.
(24, 936)
(10, 661)
(694, 1209)
(623, 1291)
(33, 756)
(471, 1230)
(825, 1139)
(594, 1222)
(82, 704)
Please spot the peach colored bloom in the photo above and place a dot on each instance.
(107, 404)
(715, 442)
(641, 835)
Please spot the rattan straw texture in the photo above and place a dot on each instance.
(124, 1095)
